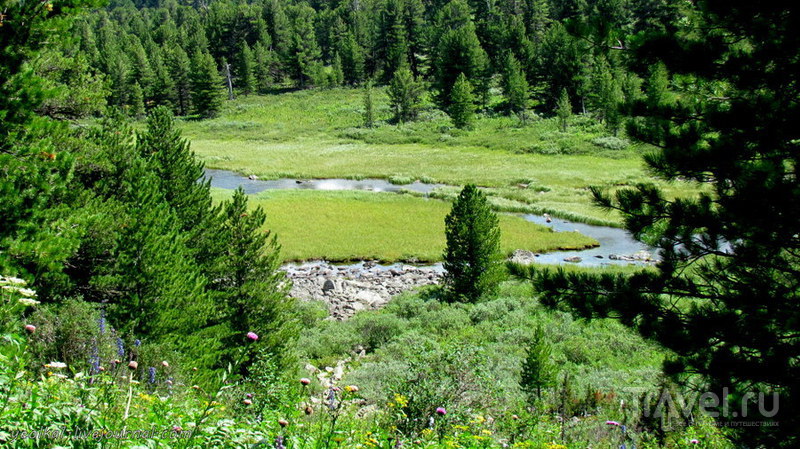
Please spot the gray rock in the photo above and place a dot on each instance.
(572, 259)
(328, 286)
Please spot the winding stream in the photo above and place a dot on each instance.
(617, 247)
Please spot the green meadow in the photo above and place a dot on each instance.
(353, 225)
(526, 167)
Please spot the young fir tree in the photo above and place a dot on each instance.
(304, 52)
(136, 107)
(246, 70)
(163, 91)
(369, 110)
(472, 258)
(404, 95)
(179, 69)
(459, 52)
(392, 42)
(253, 291)
(264, 59)
(538, 370)
(515, 86)
(352, 59)
(337, 73)
(206, 83)
(563, 110)
(724, 297)
(462, 103)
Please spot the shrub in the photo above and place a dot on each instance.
(472, 257)
(611, 143)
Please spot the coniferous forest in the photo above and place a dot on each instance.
(550, 224)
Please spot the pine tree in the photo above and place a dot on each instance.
(459, 52)
(246, 70)
(563, 110)
(515, 87)
(404, 95)
(337, 74)
(136, 108)
(179, 68)
(352, 59)
(393, 44)
(163, 92)
(264, 59)
(369, 112)
(253, 289)
(462, 103)
(206, 83)
(538, 369)
(472, 259)
(304, 52)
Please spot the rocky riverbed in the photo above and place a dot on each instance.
(347, 289)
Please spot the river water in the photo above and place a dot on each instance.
(616, 245)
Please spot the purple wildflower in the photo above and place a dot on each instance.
(252, 336)
(279, 442)
(94, 358)
(151, 375)
(694, 441)
(120, 347)
(137, 343)
(441, 411)
(612, 423)
(102, 322)
(331, 399)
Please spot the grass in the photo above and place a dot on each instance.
(352, 225)
(318, 134)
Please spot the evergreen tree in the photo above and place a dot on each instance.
(462, 103)
(136, 108)
(206, 83)
(337, 74)
(179, 69)
(515, 87)
(352, 59)
(538, 369)
(459, 52)
(253, 289)
(472, 259)
(369, 111)
(246, 70)
(404, 95)
(163, 92)
(393, 44)
(304, 51)
(563, 110)
(264, 59)
(724, 298)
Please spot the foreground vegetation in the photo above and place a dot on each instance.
(351, 226)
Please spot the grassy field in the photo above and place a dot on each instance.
(318, 134)
(352, 225)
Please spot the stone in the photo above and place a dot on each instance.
(572, 259)
(328, 286)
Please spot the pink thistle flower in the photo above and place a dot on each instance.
(177, 428)
(283, 422)
(252, 336)
(694, 441)
(612, 423)
(165, 364)
(247, 402)
(30, 328)
(133, 365)
(305, 381)
(441, 411)
(249, 395)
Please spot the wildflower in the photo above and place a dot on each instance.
(120, 348)
(169, 381)
(26, 292)
(515, 417)
(133, 365)
(116, 361)
(56, 365)
(48, 6)
(401, 400)
(165, 364)
(612, 423)
(195, 387)
(101, 369)
(151, 375)
(332, 398)
(28, 301)
(695, 441)
(249, 395)
(351, 389)
(279, 442)
(12, 280)
(137, 342)
(252, 336)
(441, 411)
(309, 410)
(305, 381)
(283, 422)
(247, 402)
(30, 328)
(177, 429)
(101, 322)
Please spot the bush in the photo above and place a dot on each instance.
(472, 258)
(611, 143)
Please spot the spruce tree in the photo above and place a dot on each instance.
(264, 59)
(459, 52)
(563, 110)
(206, 85)
(472, 259)
(179, 69)
(136, 107)
(246, 70)
(404, 95)
(352, 59)
(538, 369)
(462, 103)
(369, 110)
(337, 74)
(515, 86)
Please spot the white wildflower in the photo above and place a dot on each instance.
(28, 301)
(12, 280)
(27, 292)
(56, 365)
